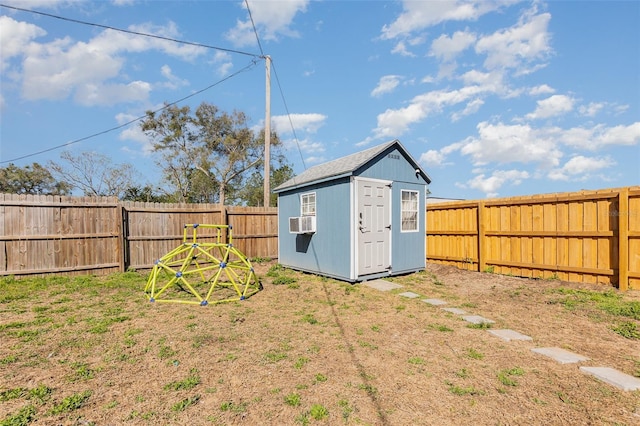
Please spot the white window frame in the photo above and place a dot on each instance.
(409, 207)
(308, 204)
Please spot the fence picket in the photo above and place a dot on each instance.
(587, 236)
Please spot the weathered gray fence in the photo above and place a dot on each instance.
(100, 235)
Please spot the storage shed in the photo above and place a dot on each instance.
(356, 218)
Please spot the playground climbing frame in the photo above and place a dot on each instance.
(209, 270)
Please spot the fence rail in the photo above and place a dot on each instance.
(42, 235)
(589, 236)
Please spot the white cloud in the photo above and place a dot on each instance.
(471, 108)
(386, 84)
(552, 106)
(447, 48)
(271, 20)
(113, 42)
(109, 94)
(15, 37)
(394, 122)
(519, 45)
(592, 109)
(419, 15)
(173, 82)
(309, 146)
(542, 89)
(401, 49)
(502, 143)
(222, 61)
(432, 158)
(437, 158)
(133, 132)
(491, 184)
(89, 72)
(309, 123)
(599, 136)
(580, 167)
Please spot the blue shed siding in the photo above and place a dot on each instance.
(332, 250)
(326, 252)
(407, 248)
(392, 166)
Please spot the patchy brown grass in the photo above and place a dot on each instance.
(311, 350)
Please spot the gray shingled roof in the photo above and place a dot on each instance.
(343, 166)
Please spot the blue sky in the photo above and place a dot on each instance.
(493, 98)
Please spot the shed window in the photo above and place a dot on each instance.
(308, 204)
(409, 211)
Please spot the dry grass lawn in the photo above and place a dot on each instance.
(307, 350)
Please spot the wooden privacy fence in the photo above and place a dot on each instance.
(589, 236)
(100, 235)
(152, 230)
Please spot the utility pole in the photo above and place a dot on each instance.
(267, 134)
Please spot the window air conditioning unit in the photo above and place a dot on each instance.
(302, 225)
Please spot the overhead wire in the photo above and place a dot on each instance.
(295, 136)
(93, 24)
(253, 62)
(246, 68)
(253, 24)
(77, 21)
(286, 108)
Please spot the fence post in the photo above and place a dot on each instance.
(623, 239)
(121, 237)
(482, 265)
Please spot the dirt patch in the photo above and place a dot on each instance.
(311, 350)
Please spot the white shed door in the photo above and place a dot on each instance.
(373, 226)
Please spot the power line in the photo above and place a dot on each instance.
(295, 136)
(255, 31)
(246, 68)
(92, 24)
(262, 56)
(286, 108)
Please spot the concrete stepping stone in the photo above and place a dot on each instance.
(455, 311)
(409, 294)
(477, 319)
(382, 285)
(560, 355)
(509, 335)
(434, 302)
(614, 377)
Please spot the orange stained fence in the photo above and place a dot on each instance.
(588, 236)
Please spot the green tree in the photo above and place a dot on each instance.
(205, 155)
(147, 194)
(34, 179)
(252, 192)
(94, 174)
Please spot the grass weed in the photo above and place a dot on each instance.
(293, 399)
(185, 403)
(318, 412)
(506, 376)
(23, 417)
(71, 403)
(188, 383)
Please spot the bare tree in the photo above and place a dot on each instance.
(94, 174)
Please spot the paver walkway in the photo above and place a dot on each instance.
(608, 375)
